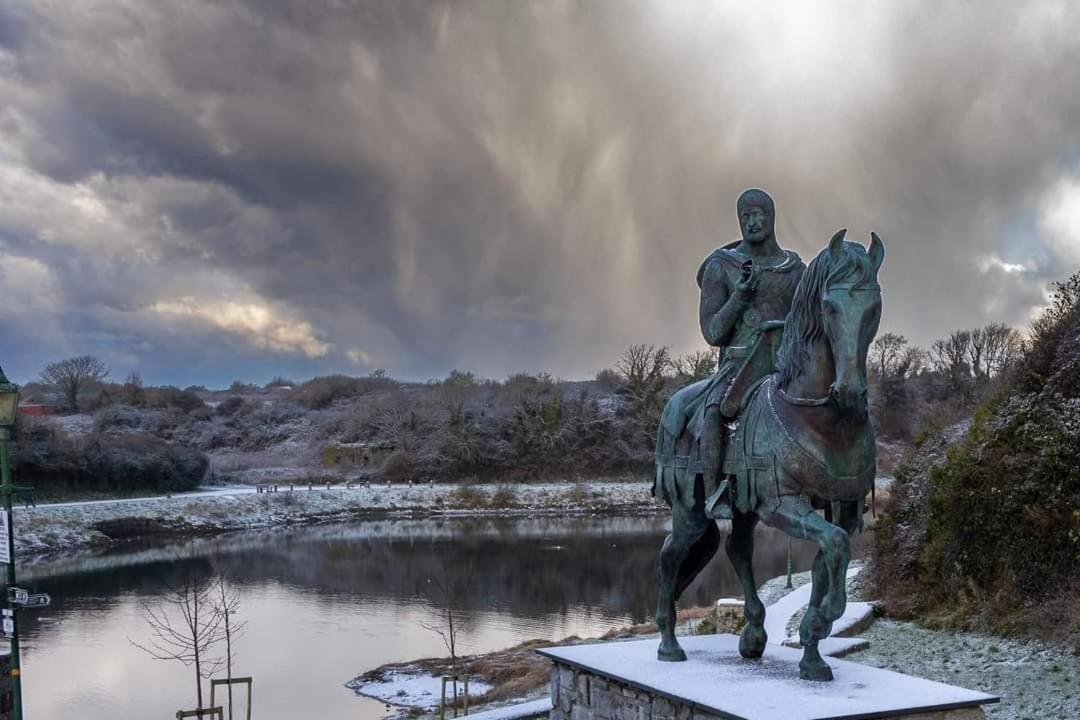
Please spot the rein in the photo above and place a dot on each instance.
(804, 402)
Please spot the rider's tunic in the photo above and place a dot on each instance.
(684, 436)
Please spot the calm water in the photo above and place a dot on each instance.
(325, 604)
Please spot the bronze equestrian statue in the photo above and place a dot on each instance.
(750, 443)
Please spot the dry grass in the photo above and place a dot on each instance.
(466, 496)
(519, 671)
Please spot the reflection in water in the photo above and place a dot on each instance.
(324, 604)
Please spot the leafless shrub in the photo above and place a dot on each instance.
(185, 626)
(71, 377)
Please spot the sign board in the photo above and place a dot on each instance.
(38, 600)
(23, 598)
(5, 538)
(9, 626)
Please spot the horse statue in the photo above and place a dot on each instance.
(803, 442)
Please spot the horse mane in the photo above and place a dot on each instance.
(803, 325)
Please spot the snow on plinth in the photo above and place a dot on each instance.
(715, 679)
(834, 646)
(518, 711)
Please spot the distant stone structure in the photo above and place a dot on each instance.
(355, 454)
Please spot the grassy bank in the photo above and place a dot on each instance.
(48, 529)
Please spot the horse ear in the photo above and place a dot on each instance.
(836, 245)
(877, 251)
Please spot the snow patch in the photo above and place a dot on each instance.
(518, 711)
(411, 689)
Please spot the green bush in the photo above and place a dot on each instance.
(991, 529)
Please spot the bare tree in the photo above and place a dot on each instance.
(396, 421)
(696, 365)
(71, 376)
(642, 369)
(951, 353)
(226, 604)
(886, 351)
(976, 351)
(446, 592)
(185, 626)
(1004, 346)
(910, 362)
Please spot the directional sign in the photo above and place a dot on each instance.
(23, 598)
(38, 600)
(5, 539)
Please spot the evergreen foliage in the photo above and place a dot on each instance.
(986, 529)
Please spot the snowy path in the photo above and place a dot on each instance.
(778, 616)
(229, 491)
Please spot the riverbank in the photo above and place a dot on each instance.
(1033, 679)
(48, 529)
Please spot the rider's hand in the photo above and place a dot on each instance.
(745, 288)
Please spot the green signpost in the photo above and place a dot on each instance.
(17, 597)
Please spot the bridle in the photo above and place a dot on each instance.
(818, 402)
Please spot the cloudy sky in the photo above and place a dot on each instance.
(207, 191)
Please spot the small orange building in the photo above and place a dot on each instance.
(37, 410)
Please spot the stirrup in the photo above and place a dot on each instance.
(717, 506)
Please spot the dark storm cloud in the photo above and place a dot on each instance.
(511, 186)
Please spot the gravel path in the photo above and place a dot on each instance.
(1034, 681)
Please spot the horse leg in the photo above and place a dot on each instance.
(740, 550)
(795, 517)
(692, 542)
(848, 520)
(701, 552)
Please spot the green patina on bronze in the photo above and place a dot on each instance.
(781, 430)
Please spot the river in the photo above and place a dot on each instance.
(323, 604)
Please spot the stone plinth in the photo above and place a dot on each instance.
(625, 681)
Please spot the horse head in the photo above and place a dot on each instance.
(850, 313)
(838, 302)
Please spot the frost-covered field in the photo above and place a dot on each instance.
(1034, 681)
(46, 528)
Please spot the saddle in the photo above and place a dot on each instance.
(739, 464)
(758, 365)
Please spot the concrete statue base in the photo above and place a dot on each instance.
(625, 681)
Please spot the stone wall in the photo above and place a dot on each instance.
(582, 695)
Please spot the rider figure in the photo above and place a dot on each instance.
(744, 285)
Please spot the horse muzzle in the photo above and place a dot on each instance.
(851, 401)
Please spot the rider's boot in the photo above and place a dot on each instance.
(714, 443)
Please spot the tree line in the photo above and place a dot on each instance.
(462, 426)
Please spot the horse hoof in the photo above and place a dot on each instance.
(816, 671)
(752, 642)
(670, 654)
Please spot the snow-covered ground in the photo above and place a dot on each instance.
(1033, 680)
(64, 526)
(418, 690)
